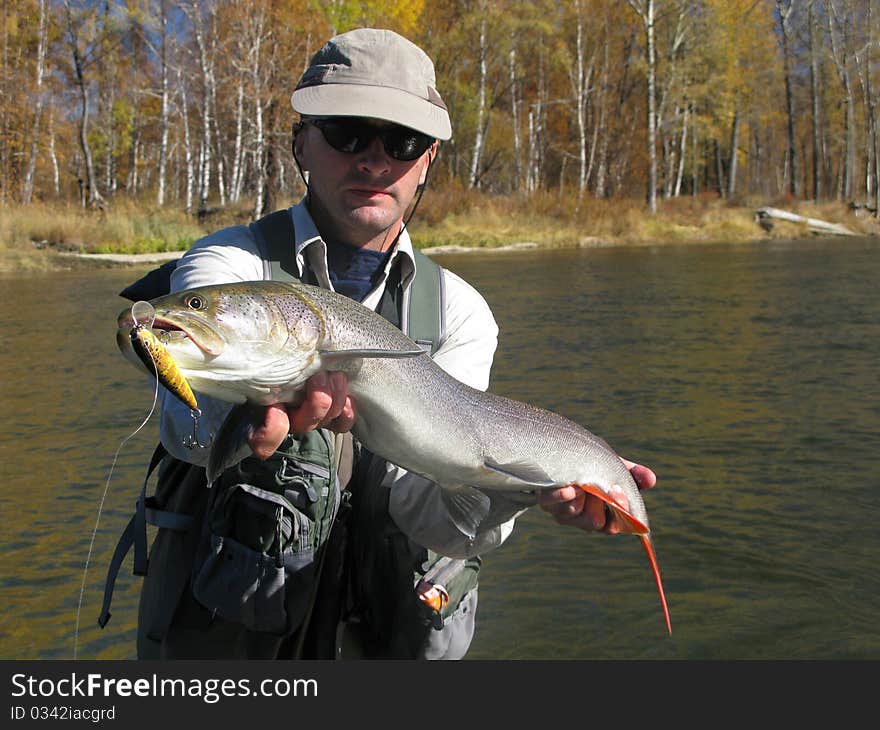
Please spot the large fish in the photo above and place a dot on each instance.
(258, 342)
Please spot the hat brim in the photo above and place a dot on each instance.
(376, 102)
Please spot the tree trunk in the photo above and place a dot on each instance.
(535, 168)
(874, 122)
(815, 48)
(272, 169)
(53, 157)
(237, 172)
(652, 106)
(259, 136)
(602, 124)
(839, 33)
(694, 148)
(734, 148)
(515, 122)
(479, 136)
(206, 66)
(581, 88)
(784, 8)
(91, 197)
(189, 157)
(165, 112)
(682, 150)
(646, 11)
(28, 187)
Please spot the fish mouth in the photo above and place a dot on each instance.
(171, 329)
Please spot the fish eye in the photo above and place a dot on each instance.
(195, 302)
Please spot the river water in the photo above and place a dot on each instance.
(746, 376)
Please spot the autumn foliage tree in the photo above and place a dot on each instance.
(185, 103)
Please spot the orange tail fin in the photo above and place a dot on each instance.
(655, 569)
(635, 526)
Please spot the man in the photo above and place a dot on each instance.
(371, 122)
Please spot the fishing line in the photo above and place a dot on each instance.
(104, 498)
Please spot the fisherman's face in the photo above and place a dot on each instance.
(359, 198)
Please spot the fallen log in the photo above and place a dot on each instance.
(764, 217)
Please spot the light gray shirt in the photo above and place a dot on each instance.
(416, 504)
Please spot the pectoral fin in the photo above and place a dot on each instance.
(531, 475)
(467, 507)
(231, 445)
(328, 357)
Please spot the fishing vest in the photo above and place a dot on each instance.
(290, 547)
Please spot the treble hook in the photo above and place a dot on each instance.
(192, 441)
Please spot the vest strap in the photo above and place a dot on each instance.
(277, 243)
(135, 534)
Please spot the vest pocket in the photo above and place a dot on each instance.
(250, 532)
(258, 547)
(242, 585)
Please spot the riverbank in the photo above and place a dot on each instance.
(45, 238)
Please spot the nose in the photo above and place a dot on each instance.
(373, 158)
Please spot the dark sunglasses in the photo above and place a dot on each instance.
(351, 135)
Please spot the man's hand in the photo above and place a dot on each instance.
(571, 505)
(325, 404)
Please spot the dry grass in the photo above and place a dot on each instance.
(124, 228)
(448, 216)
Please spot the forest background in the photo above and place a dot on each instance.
(140, 125)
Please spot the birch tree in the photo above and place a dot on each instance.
(188, 151)
(865, 63)
(87, 35)
(840, 34)
(785, 9)
(39, 103)
(815, 46)
(646, 10)
(202, 21)
(580, 78)
(160, 42)
(480, 130)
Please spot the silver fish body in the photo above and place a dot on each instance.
(258, 342)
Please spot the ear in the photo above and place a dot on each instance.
(431, 154)
(298, 144)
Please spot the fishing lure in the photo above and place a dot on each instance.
(154, 355)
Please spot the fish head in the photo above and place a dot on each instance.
(238, 342)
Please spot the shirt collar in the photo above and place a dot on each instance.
(310, 244)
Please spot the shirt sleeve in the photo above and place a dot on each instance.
(416, 504)
(228, 255)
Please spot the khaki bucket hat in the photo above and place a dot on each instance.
(373, 73)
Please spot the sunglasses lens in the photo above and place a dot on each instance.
(349, 135)
(405, 144)
(343, 136)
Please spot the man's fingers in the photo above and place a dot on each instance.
(550, 498)
(326, 404)
(571, 505)
(266, 439)
(345, 420)
(339, 394)
(643, 476)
